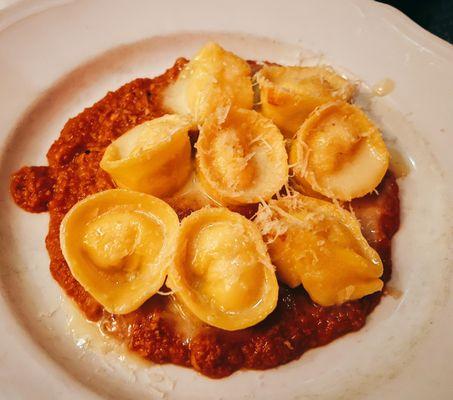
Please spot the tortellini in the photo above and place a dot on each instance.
(118, 245)
(214, 79)
(121, 244)
(154, 157)
(241, 157)
(222, 271)
(319, 245)
(339, 153)
(290, 94)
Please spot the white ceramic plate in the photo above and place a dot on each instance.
(57, 57)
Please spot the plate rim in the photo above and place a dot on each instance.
(426, 39)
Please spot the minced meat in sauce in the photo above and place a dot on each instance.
(160, 330)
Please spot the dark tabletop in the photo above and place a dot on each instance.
(435, 16)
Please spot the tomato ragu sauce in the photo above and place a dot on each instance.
(162, 330)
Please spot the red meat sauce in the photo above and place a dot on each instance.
(161, 330)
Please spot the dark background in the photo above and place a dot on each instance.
(435, 16)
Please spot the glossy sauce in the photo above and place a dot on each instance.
(399, 164)
(383, 87)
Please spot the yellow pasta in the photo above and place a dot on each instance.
(339, 153)
(119, 245)
(213, 79)
(290, 94)
(222, 271)
(319, 245)
(241, 157)
(154, 157)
